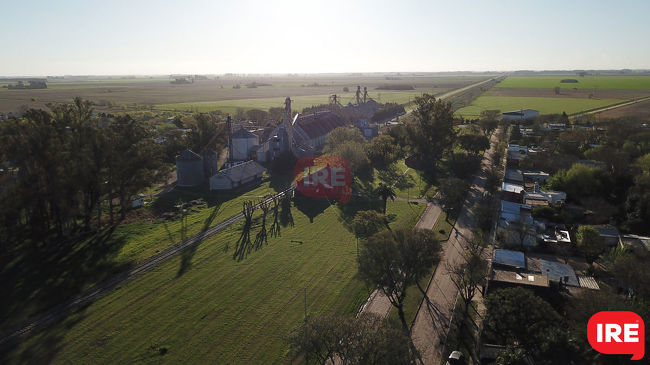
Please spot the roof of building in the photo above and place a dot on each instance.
(188, 155)
(607, 231)
(319, 124)
(509, 258)
(588, 282)
(635, 241)
(511, 188)
(520, 112)
(521, 278)
(243, 133)
(556, 270)
(514, 175)
(241, 171)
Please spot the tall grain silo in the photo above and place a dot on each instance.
(189, 169)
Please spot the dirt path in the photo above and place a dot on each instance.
(431, 324)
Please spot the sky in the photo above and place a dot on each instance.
(89, 37)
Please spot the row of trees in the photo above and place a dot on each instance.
(68, 168)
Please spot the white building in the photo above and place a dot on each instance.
(244, 145)
(237, 176)
(522, 114)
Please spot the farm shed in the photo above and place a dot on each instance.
(236, 176)
(522, 114)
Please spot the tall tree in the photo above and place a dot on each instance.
(590, 242)
(432, 134)
(385, 192)
(395, 260)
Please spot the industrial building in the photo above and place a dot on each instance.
(236, 176)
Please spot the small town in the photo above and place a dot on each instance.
(235, 189)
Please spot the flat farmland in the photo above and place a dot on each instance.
(220, 310)
(544, 105)
(538, 92)
(129, 93)
(586, 82)
(638, 110)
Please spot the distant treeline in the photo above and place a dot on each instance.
(32, 85)
(395, 87)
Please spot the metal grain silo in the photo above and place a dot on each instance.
(189, 169)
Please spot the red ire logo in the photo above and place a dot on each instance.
(325, 176)
(617, 333)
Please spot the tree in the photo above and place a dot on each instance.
(395, 260)
(582, 181)
(362, 340)
(590, 242)
(489, 120)
(368, 222)
(469, 274)
(452, 194)
(432, 133)
(557, 90)
(517, 316)
(382, 151)
(473, 143)
(257, 115)
(385, 192)
(354, 154)
(340, 135)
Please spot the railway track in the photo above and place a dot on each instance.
(89, 296)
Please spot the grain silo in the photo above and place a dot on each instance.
(189, 169)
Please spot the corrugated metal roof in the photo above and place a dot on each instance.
(242, 171)
(243, 133)
(557, 271)
(510, 258)
(588, 282)
(513, 188)
(319, 124)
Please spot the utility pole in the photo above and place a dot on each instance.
(305, 304)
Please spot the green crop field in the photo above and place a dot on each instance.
(298, 102)
(220, 310)
(544, 105)
(586, 82)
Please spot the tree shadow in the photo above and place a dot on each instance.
(188, 253)
(46, 285)
(311, 207)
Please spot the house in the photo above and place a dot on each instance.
(556, 127)
(517, 152)
(544, 197)
(521, 114)
(556, 271)
(369, 131)
(516, 226)
(609, 234)
(527, 132)
(512, 192)
(639, 245)
(555, 234)
(514, 176)
(535, 176)
(236, 176)
(509, 268)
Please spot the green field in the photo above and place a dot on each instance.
(544, 105)
(298, 102)
(586, 82)
(220, 310)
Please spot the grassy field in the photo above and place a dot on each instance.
(586, 82)
(544, 105)
(221, 310)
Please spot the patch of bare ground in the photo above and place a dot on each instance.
(638, 110)
(568, 93)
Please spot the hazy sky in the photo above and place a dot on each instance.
(162, 37)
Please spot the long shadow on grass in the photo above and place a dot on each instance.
(42, 282)
(188, 254)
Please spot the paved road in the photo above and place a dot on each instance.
(431, 322)
(103, 288)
